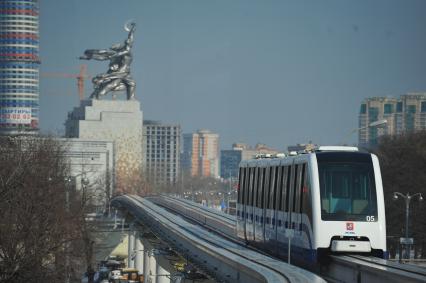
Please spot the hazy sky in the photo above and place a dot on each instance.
(276, 72)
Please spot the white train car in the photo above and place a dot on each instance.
(329, 200)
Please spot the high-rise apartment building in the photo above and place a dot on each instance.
(161, 151)
(407, 113)
(19, 67)
(201, 153)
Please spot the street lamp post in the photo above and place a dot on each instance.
(375, 124)
(407, 198)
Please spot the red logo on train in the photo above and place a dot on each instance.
(350, 226)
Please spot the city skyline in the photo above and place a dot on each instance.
(279, 73)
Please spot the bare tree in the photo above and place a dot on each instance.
(40, 216)
(403, 164)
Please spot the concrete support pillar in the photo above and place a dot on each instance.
(161, 274)
(153, 268)
(139, 256)
(130, 247)
(146, 264)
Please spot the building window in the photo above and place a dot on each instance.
(399, 107)
(388, 108)
(363, 109)
(423, 108)
(373, 111)
(411, 109)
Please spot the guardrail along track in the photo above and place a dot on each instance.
(221, 223)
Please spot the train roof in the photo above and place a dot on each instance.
(283, 159)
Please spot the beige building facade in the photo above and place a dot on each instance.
(119, 121)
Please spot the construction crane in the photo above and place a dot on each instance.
(81, 77)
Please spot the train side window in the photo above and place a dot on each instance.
(266, 190)
(288, 187)
(302, 186)
(245, 187)
(277, 195)
(261, 187)
(278, 187)
(250, 190)
(265, 187)
(240, 184)
(255, 186)
(297, 189)
(271, 186)
(294, 186)
(284, 189)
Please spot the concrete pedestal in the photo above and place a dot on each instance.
(119, 121)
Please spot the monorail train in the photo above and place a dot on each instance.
(325, 201)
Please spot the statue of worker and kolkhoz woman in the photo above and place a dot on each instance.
(118, 77)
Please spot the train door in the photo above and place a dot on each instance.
(258, 221)
(240, 204)
(249, 207)
(270, 210)
(284, 180)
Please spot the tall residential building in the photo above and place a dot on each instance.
(231, 158)
(19, 67)
(407, 113)
(161, 151)
(201, 153)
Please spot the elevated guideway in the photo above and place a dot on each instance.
(356, 268)
(209, 218)
(336, 268)
(223, 259)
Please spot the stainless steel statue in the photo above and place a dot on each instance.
(118, 77)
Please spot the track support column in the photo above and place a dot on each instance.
(163, 276)
(139, 253)
(130, 247)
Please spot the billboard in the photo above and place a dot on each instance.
(15, 115)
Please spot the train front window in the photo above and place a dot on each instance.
(348, 191)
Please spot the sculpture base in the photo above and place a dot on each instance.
(119, 121)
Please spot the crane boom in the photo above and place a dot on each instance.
(81, 77)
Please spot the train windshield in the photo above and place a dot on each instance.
(347, 187)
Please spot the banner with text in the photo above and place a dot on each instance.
(15, 115)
